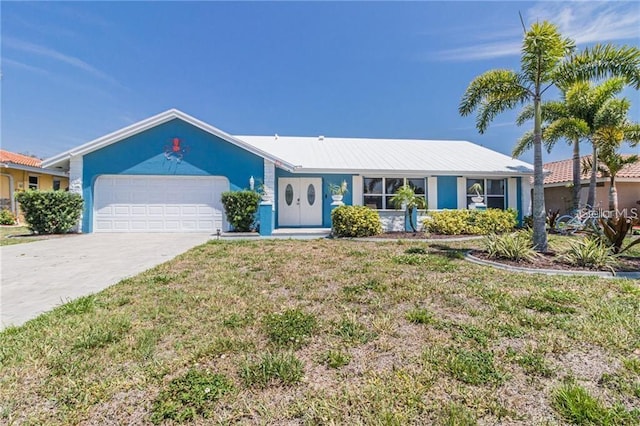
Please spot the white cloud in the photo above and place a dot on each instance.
(481, 51)
(589, 22)
(584, 22)
(21, 65)
(39, 50)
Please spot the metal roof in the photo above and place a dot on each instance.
(336, 155)
(401, 156)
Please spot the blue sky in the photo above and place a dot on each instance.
(75, 71)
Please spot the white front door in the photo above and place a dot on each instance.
(300, 202)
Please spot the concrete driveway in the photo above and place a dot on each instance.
(40, 275)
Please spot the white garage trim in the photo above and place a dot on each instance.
(139, 203)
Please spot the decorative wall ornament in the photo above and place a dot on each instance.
(176, 151)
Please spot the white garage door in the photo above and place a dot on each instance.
(159, 203)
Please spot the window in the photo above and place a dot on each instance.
(33, 182)
(493, 191)
(56, 184)
(378, 192)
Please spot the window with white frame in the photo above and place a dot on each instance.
(33, 182)
(378, 191)
(493, 191)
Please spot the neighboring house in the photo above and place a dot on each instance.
(559, 180)
(20, 172)
(166, 173)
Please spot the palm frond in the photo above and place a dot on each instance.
(492, 93)
(524, 144)
(602, 61)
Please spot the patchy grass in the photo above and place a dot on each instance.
(330, 332)
(10, 235)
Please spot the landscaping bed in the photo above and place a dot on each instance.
(552, 260)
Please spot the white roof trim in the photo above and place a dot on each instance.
(151, 122)
(33, 169)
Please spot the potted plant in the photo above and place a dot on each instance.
(477, 188)
(338, 191)
(406, 199)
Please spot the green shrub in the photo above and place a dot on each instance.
(291, 328)
(50, 212)
(492, 221)
(448, 222)
(590, 253)
(516, 246)
(241, 208)
(355, 221)
(190, 395)
(458, 222)
(7, 217)
(272, 368)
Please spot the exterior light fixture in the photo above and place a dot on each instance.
(252, 183)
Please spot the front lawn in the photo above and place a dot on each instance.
(10, 235)
(330, 331)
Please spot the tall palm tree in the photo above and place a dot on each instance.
(613, 127)
(547, 58)
(572, 118)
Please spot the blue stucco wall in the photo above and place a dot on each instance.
(447, 192)
(144, 154)
(327, 179)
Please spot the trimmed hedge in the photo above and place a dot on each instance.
(241, 208)
(473, 222)
(50, 212)
(355, 221)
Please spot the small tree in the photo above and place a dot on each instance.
(241, 208)
(405, 197)
(51, 212)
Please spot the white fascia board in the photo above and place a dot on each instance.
(151, 122)
(39, 170)
(400, 173)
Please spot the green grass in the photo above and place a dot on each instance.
(272, 369)
(579, 407)
(190, 395)
(291, 328)
(10, 235)
(330, 332)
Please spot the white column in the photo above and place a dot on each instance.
(462, 193)
(432, 192)
(75, 184)
(526, 196)
(512, 188)
(269, 183)
(356, 191)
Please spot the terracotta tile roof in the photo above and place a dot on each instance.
(562, 171)
(12, 157)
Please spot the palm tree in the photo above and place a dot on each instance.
(572, 118)
(612, 129)
(405, 197)
(547, 58)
